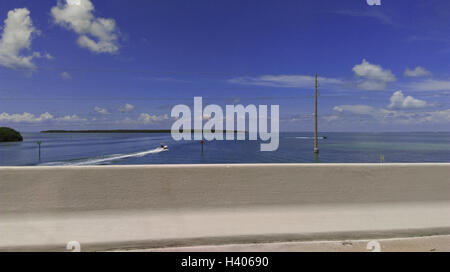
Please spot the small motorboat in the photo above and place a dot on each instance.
(164, 147)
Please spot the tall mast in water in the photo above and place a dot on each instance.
(316, 140)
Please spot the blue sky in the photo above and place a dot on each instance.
(124, 64)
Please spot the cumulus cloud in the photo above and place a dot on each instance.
(287, 81)
(417, 72)
(147, 118)
(126, 108)
(101, 110)
(18, 32)
(25, 117)
(397, 114)
(99, 35)
(65, 75)
(70, 118)
(399, 101)
(31, 118)
(374, 77)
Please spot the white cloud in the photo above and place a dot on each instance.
(355, 109)
(430, 85)
(70, 118)
(436, 117)
(345, 113)
(65, 75)
(101, 110)
(100, 35)
(126, 108)
(287, 81)
(330, 118)
(147, 118)
(17, 35)
(374, 77)
(31, 118)
(442, 116)
(417, 72)
(25, 117)
(372, 71)
(399, 101)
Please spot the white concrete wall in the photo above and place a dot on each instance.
(30, 189)
(217, 195)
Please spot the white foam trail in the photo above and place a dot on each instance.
(111, 158)
(322, 138)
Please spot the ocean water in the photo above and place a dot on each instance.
(295, 147)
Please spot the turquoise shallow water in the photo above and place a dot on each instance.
(111, 149)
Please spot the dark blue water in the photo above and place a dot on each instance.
(112, 149)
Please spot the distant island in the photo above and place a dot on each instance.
(128, 131)
(10, 135)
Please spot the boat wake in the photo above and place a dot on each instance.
(308, 138)
(106, 159)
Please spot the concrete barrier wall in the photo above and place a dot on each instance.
(165, 187)
(120, 207)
